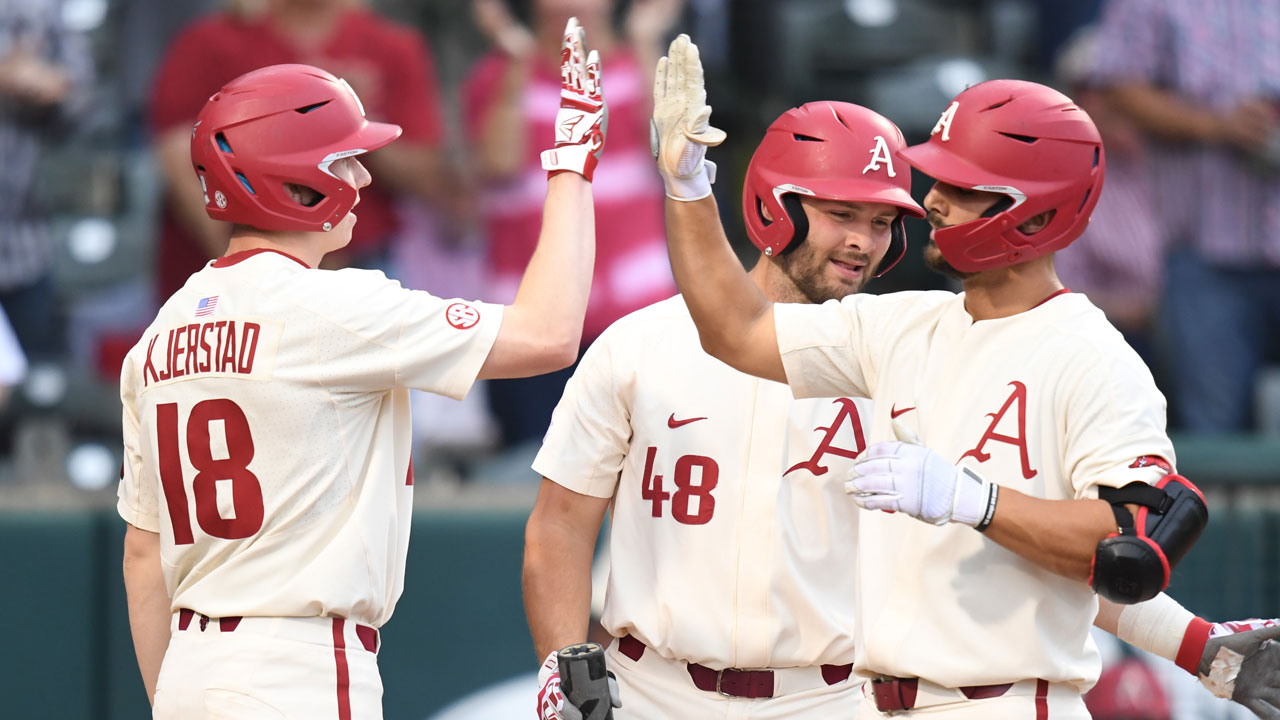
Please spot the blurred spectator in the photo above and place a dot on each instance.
(1119, 260)
(45, 76)
(509, 100)
(13, 364)
(388, 66)
(1204, 82)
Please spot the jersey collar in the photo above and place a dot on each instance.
(234, 258)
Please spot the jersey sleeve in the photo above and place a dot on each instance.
(1115, 424)
(822, 347)
(137, 497)
(590, 432)
(379, 335)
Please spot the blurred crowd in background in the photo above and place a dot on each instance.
(101, 217)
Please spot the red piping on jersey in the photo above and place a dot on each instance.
(233, 258)
(1063, 291)
(344, 676)
(1042, 699)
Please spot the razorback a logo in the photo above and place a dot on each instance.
(848, 412)
(880, 154)
(1019, 396)
(944, 122)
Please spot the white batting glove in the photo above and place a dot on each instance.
(1241, 661)
(552, 704)
(907, 477)
(583, 117)
(681, 131)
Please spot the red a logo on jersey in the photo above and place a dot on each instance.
(848, 411)
(1019, 395)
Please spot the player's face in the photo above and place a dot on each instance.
(845, 244)
(949, 205)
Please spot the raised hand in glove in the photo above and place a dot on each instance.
(1241, 661)
(552, 704)
(583, 117)
(907, 477)
(681, 131)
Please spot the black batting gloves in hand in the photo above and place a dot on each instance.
(681, 131)
(552, 704)
(583, 117)
(1241, 661)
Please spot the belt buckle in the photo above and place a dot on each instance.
(719, 677)
(882, 680)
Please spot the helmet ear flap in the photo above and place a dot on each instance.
(898, 238)
(799, 221)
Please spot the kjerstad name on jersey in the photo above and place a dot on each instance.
(222, 346)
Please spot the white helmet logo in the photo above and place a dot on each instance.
(944, 122)
(220, 199)
(880, 154)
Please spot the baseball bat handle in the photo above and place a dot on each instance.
(584, 682)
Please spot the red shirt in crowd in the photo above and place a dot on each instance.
(388, 65)
(631, 269)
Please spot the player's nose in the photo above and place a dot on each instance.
(362, 176)
(935, 201)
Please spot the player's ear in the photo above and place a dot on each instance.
(1037, 223)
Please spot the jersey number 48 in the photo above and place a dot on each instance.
(687, 493)
(246, 491)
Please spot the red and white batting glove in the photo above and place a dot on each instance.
(680, 131)
(583, 116)
(907, 477)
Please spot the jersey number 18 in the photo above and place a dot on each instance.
(246, 491)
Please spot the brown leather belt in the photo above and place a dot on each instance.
(894, 694)
(733, 682)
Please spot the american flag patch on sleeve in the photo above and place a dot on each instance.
(206, 306)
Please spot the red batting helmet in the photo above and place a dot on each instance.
(827, 150)
(1028, 142)
(276, 125)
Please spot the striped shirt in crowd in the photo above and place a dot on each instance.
(1214, 54)
(37, 25)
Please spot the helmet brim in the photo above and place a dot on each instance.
(941, 164)
(375, 135)
(855, 191)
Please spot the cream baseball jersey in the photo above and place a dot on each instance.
(267, 432)
(1051, 402)
(731, 538)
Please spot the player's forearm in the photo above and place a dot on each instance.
(727, 307)
(557, 585)
(1058, 535)
(552, 300)
(148, 601)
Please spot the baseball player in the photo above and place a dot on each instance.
(731, 590)
(1045, 433)
(267, 481)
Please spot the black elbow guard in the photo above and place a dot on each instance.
(1133, 565)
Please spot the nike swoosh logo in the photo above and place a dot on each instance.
(673, 423)
(894, 412)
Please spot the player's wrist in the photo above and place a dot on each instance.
(975, 500)
(570, 158)
(694, 187)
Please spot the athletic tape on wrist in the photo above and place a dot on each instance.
(1161, 626)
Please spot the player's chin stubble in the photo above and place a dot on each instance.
(808, 277)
